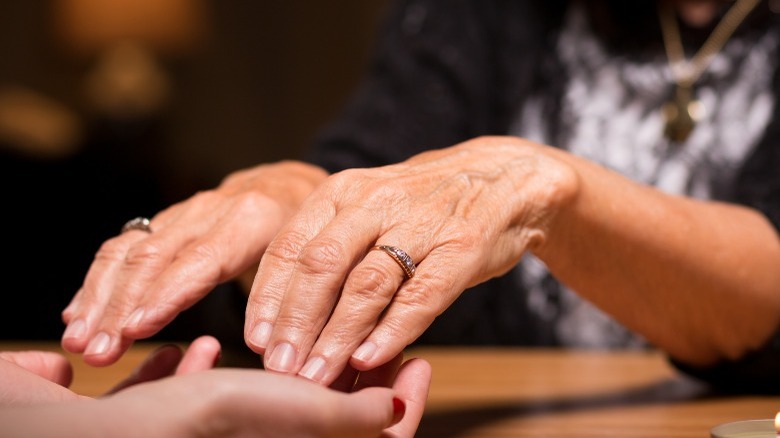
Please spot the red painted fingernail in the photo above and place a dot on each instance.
(399, 409)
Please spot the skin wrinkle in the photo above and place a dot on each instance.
(287, 248)
(303, 326)
(419, 297)
(294, 320)
(383, 194)
(412, 315)
(199, 256)
(322, 256)
(370, 282)
(111, 250)
(143, 254)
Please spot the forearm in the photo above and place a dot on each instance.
(697, 279)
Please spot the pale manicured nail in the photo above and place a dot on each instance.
(75, 330)
(261, 334)
(314, 369)
(282, 358)
(365, 352)
(99, 344)
(135, 318)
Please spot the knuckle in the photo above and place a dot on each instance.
(162, 312)
(347, 176)
(345, 336)
(372, 282)
(322, 256)
(111, 250)
(248, 203)
(201, 252)
(115, 308)
(144, 253)
(297, 322)
(364, 182)
(286, 247)
(421, 298)
(405, 329)
(206, 257)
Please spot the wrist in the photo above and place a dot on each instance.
(545, 186)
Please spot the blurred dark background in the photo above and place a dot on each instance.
(116, 109)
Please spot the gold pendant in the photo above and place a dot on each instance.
(681, 115)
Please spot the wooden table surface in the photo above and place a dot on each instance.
(490, 392)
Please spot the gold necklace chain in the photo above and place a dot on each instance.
(684, 111)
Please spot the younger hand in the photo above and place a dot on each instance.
(236, 403)
(31, 377)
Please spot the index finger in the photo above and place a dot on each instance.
(299, 282)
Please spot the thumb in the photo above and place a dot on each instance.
(51, 366)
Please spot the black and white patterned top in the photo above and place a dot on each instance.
(611, 114)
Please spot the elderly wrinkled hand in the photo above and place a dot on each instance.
(323, 297)
(141, 279)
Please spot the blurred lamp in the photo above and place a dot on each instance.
(126, 40)
(167, 27)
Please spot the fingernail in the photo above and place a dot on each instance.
(135, 318)
(314, 369)
(261, 334)
(399, 409)
(99, 344)
(365, 352)
(75, 330)
(282, 358)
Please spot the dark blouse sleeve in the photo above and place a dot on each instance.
(442, 73)
(423, 89)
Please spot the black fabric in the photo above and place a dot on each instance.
(450, 70)
(437, 81)
(57, 212)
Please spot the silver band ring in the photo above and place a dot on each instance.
(401, 257)
(139, 223)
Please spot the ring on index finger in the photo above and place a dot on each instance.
(401, 257)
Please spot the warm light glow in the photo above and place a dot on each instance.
(167, 26)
